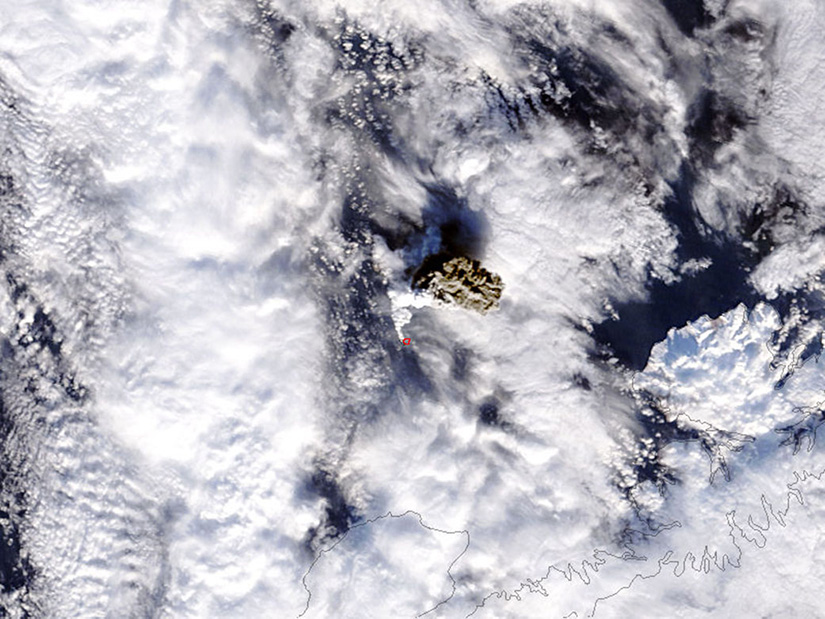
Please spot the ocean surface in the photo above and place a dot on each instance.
(349, 309)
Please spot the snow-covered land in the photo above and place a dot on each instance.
(223, 394)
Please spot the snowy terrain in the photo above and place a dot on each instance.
(213, 217)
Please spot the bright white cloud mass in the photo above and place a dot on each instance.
(222, 220)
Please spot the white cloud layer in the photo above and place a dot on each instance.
(215, 213)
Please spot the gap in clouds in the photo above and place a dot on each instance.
(277, 173)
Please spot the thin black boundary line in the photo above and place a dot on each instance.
(688, 560)
(534, 586)
(374, 520)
